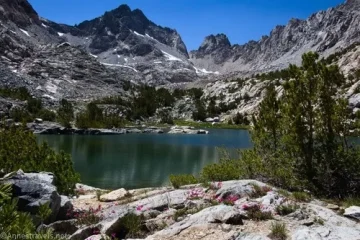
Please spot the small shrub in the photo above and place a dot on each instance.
(44, 212)
(319, 221)
(88, 217)
(98, 194)
(185, 211)
(132, 225)
(284, 193)
(20, 150)
(301, 196)
(47, 115)
(181, 180)
(278, 231)
(65, 113)
(254, 213)
(225, 170)
(283, 210)
(179, 213)
(259, 191)
(351, 201)
(16, 223)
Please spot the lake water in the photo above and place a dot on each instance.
(143, 160)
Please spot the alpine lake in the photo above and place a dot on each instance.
(144, 160)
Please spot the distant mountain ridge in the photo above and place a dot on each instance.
(94, 58)
(324, 32)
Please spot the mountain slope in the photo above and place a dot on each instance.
(89, 60)
(324, 32)
(125, 38)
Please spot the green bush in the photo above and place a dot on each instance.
(249, 166)
(283, 210)
(65, 113)
(223, 171)
(259, 191)
(254, 213)
(200, 113)
(131, 225)
(13, 222)
(180, 213)
(47, 115)
(19, 150)
(181, 180)
(21, 115)
(301, 196)
(93, 117)
(34, 105)
(15, 93)
(241, 119)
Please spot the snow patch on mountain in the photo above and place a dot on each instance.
(119, 65)
(171, 57)
(26, 32)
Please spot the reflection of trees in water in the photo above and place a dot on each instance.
(134, 161)
(143, 164)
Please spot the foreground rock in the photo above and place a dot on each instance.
(218, 212)
(353, 212)
(33, 190)
(240, 210)
(114, 195)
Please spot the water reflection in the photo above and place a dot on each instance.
(141, 160)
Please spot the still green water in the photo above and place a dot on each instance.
(143, 160)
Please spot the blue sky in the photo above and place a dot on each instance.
(240, 20)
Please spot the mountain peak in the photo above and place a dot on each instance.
(213, 42)
(123, 9)
(18, 11)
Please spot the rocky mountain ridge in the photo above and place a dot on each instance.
(325, 32)
(95, 58)
(89, 60)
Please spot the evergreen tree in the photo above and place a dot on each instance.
(307, 145)
(65, 113)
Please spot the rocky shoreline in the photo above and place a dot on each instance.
(51, 128)
(232, 210)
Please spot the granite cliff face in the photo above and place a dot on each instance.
(325, 32)
(89, 60)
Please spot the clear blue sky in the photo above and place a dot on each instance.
(240, 20)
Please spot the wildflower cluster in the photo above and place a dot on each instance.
(230, 200)
(196, 193)
(88, 217)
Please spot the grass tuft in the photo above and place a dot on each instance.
(278, 231)
(181, 180)
(301, 196)
(284, 210)
(254, 213)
